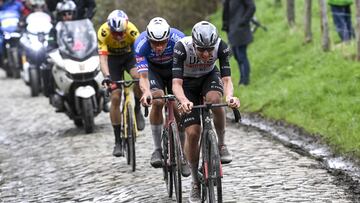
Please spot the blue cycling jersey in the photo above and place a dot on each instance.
(145, 55)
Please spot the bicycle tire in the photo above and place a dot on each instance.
(131, 137)
(176, 162)
(216, 170)
(167, 173)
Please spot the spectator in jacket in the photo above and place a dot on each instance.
(341, 13)
(236, 22)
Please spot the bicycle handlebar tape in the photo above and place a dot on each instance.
(237, 115)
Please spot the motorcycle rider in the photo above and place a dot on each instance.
(115, 41)
(8, 5)
(85, 8)
(66, 12)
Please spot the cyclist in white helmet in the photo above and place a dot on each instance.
(154, 50)
(116, 38)
(195, 76)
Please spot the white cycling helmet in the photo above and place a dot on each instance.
(117, 21)
(158, 29)
(204, 34)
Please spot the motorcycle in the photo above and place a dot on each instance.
(36, 73)
(76, 73)
(9, 42)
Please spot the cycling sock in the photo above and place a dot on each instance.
(117, 131)
(194, 172)
(156, 133)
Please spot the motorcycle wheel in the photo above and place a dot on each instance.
(34, 82)
(15, 63)
(88, 115)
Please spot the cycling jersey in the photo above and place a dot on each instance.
(145, 54)
(188, 64)
(108, 44)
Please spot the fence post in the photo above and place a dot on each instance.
(290, 11)
(358, 29)
(324, 26)
(307, 21)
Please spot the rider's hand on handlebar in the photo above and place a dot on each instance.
(185, 106)
(106, 81)
(233, 102)
(146, 99)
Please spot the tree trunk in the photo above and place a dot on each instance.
(290, 10)
(358, 29)
(324, 26)
(307, 21)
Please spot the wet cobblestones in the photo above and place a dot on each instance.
(44, 158)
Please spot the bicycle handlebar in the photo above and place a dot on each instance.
(208, 106)
(125, 83)
(166, 97)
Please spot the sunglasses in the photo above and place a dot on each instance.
(117, 34)
(159, 43)
(67, 13)
(203, 49)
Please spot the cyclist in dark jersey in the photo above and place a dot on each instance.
(196, 78)
(154, 54)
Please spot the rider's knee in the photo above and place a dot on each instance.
(158, 103)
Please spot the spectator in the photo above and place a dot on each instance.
(236, 22)
(341, 13)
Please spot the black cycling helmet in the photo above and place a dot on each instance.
(66, 6)
(204, 34)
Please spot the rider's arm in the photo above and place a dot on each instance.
(177, 72)
(225, 72)
(103, 49)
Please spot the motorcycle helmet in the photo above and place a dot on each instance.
(158, 29)
(66, 7)
(117, 21)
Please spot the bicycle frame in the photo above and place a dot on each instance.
(172, 149)
(129, 128)
(211, 168)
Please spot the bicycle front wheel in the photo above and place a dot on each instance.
(176, 161)
(214, 170)
(167, 170)
(130, 128)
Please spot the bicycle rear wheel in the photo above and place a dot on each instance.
(167, 171)
(131, 137)
(176, 161)
(214, 170)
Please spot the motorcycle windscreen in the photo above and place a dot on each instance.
(76, 39)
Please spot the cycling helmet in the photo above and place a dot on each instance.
(66, 6)
(117, 21)
(158, 29)
(204, 34)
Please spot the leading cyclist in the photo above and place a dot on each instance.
(195, 77)
(115, 41)
(154, 55)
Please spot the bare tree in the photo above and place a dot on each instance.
(358, 29)
(290, 10)
(324, 26)
(307, 21)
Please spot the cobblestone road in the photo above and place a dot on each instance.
(44, 158)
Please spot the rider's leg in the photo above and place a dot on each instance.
(116, 120)
(140, 121)
(214, 97)
(192, 149)
(156, 122)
